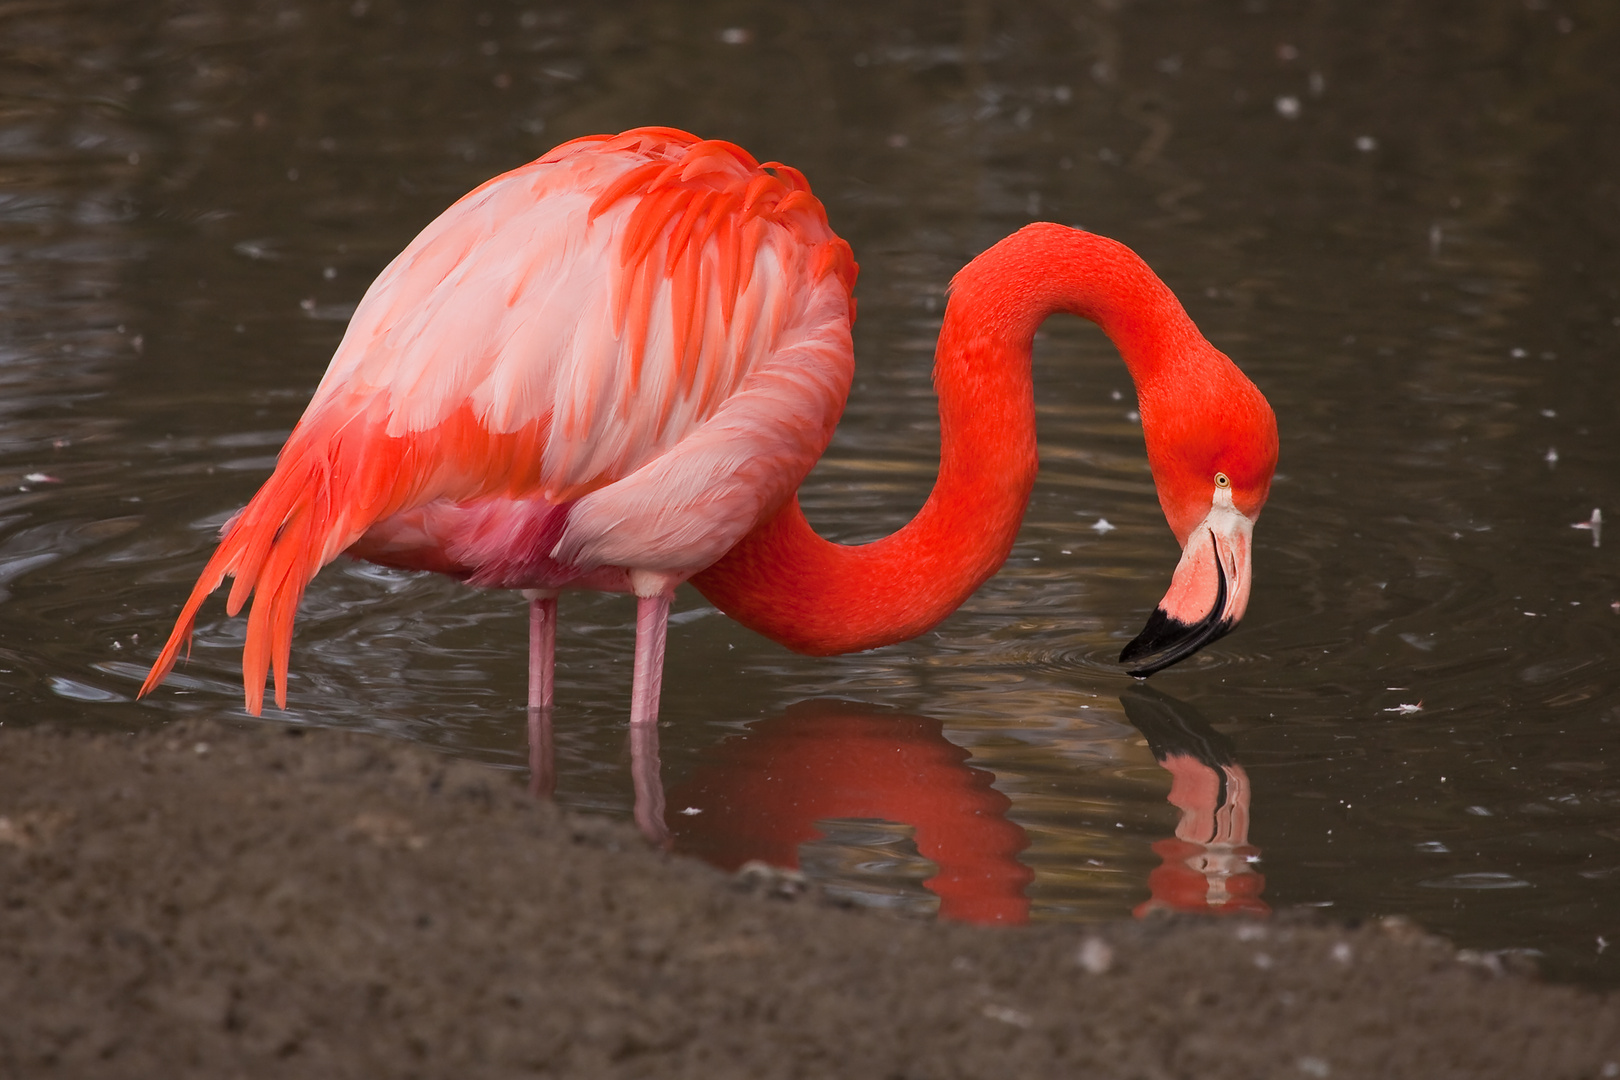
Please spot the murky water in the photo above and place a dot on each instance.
(1400, 219)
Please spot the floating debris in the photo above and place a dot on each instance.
(1406, 710)
(1595, 524)
(1366, 143)
(1104, 526)
(1552, 455)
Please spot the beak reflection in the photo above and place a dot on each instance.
(1208, 865)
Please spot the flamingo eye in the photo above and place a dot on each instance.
(1221, 480)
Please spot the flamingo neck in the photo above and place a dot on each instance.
(814, 596)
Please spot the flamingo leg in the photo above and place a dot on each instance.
(542, 647)
(652, 623)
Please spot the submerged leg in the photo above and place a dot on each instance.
(542, 757)
(649, 785)
(542, 646)
(652, 623)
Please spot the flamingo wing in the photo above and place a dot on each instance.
(625, 354)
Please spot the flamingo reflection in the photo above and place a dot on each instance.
(772, 791)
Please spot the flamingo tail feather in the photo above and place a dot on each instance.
(272, 549)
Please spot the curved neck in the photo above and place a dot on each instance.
(818, 597)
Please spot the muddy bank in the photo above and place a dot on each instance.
(208, 901)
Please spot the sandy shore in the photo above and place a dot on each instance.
(207, 901)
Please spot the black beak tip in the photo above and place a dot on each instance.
(1166, 640)
(1159, 634)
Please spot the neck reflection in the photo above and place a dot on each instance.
(770, 793)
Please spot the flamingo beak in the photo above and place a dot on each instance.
(1208, 593)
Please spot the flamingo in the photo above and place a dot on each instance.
(611, 369)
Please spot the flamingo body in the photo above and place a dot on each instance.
(598, 370)
(612, 368)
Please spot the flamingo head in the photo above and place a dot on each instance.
(1212, 445)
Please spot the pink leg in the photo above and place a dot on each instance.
(542, 647)
(652, 622)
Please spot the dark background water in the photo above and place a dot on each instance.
(1401, 218)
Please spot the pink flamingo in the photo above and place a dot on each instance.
(612, 368)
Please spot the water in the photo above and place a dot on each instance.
(1400, 220)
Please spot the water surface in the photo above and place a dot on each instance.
(1399, 219)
